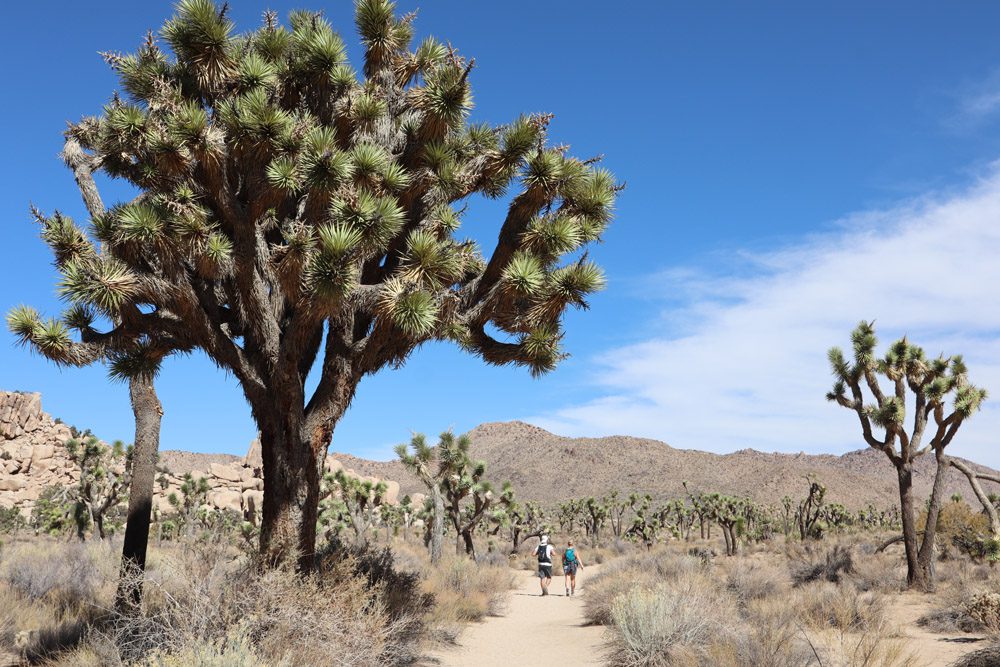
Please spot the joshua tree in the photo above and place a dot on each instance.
(569, 511)
(989, 508)
(463, 481)
(595, 514)
(931, 383)
(133, 359)
(421, 463)
(194, 494)
(293, 216)
(808, 514)
(362, 499)
(105, 471)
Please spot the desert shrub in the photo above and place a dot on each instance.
(236, 651)
(399, 589)
(754, 581)
(639, 569)
(984, 657)
(68, 575)
(878, 572)
(984, 607)
(53, 513)
(827, 605)
(835, 563)
(771, 638)
(199, 604)
(668, 622)
(11, 520)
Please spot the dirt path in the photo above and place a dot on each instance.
(930, 648)
(535, 631)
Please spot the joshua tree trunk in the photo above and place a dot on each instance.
(925, 557)
(148, 412)
(470, 545)
(293, 467)
(914, 575)
(437, 530)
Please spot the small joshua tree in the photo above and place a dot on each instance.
(421, 462)
(463, 482)
(194, 494)
(808, 514)
(930, 384)
(362, 499)
(293, 214)
(105, 473)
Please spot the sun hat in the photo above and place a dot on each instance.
(545, 539)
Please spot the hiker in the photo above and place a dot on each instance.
(544, 552)
(571, 561)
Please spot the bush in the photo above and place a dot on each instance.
(754, 581)
(835, 563)
(11, 520)
(669, 622)
(68, 576)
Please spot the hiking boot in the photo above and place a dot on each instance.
(567, 592)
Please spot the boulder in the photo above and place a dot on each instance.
(12, 484)
(418, 499)
(252, 483)
(253, 501)
(254, 458)
(226, 499)
(224, 472)
(391, 492)
(332, 465)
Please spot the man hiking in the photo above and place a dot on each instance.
(571, 561)
(544, 552)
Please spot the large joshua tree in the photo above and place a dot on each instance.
(925, 384)
(294, 215)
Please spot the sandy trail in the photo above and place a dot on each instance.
(535, 630)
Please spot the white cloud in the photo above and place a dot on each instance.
(742, 363)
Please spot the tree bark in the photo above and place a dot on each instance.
(914, 575)
(293, 467)
(437, 530)
(925, 557)
(148, 412)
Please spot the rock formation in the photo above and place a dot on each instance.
(33, 456)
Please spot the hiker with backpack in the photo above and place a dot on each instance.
(571, 562)
(544, 552)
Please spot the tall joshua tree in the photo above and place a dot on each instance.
(132, 359)
(928, 384)
(296, 215)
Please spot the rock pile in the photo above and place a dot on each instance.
(33, 456)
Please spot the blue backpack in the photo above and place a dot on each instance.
(570, 555)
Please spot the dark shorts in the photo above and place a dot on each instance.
(545, 571)
(570, 567)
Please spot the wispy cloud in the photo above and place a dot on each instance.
(742, 360)
(977, 103)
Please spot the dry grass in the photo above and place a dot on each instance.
(669, 608)
(206, 605)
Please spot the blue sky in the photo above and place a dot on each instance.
(791, 169)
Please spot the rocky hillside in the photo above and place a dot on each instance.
(541, 465)
(550, 468)
(33, 457)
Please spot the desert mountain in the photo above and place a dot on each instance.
(550, 468)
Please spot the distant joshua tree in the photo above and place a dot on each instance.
(929, 384)
(105, 473)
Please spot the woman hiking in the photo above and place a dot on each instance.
(571, 561)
